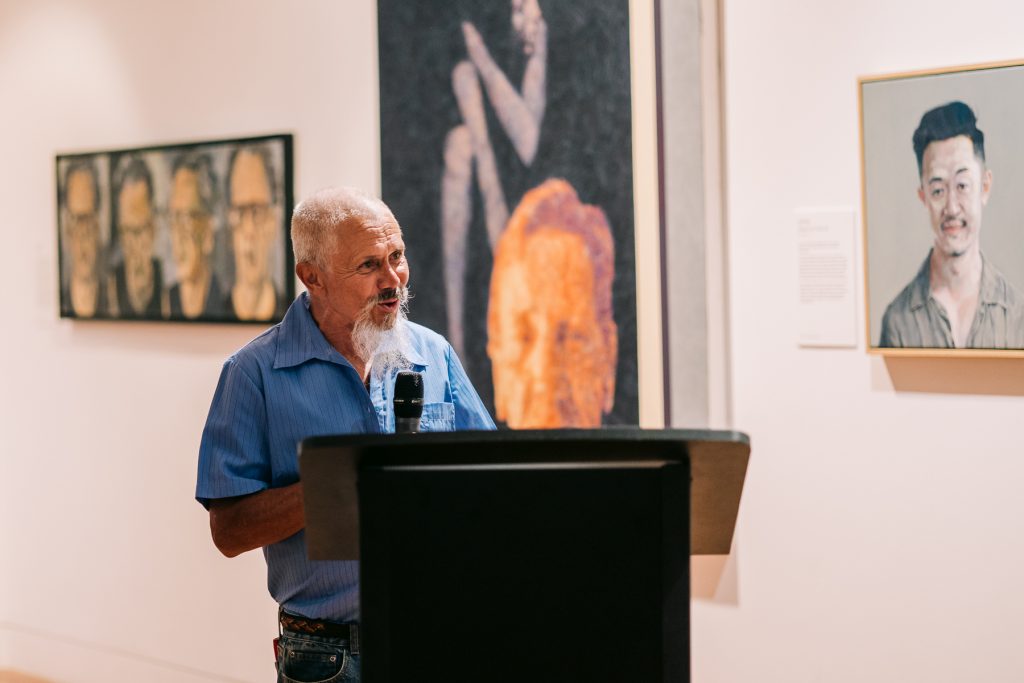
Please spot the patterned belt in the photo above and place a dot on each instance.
(316, 627)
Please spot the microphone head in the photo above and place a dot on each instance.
(409, 395)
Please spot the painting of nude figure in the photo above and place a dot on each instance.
(506, 151)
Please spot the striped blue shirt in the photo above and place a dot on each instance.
(289, 384)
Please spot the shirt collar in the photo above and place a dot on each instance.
(993, 287)
(920, 289)
(299, 340)
(992, 290)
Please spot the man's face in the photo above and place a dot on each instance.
(191, 227)
(83, 224)
(954, 187)
(252, 218)
(135, 227)
(552, 357)
(526, 23)
(366, 272)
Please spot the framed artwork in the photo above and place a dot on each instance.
(192, 232)
(507, 155)
(943, 170)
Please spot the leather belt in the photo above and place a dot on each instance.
(316, 627)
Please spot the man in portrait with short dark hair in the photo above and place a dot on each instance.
(138, 278)
(958, 298)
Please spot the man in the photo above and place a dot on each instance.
(138, 278)
(84, 295)
(327, 368)
(958, 298)
(197, 293)
(253, 215)
(552, 340)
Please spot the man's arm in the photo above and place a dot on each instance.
(256, 520)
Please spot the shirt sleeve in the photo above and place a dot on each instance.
(470, 412)
(234, 457)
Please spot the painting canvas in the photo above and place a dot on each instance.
(190, 232)
(507, 159)
(944, 245)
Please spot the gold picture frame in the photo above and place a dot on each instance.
(941, 153)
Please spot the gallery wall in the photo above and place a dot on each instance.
(879, 535)
(107, 571)
(880, 531)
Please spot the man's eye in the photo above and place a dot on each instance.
(397, 256)
(937, 192)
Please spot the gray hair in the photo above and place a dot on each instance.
(318, 219)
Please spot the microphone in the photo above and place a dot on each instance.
(408, 402)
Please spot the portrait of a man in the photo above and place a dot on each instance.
(551, 302)
(139, 276)
(943, 237)
(254, 218)
(192, 214)
(84, 288)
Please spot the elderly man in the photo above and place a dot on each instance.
(327, 368)
(958, 299)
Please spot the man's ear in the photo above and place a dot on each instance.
(920, 193)
(309, 274)
(986, 186)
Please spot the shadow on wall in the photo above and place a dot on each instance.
(979, 376)
(713, 578)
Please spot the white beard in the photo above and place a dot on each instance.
(385, 347)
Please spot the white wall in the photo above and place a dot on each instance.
(106, 567)
(880, 535)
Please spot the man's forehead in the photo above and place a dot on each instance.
(369, 232)
(249, 180)
(957, 150)
(185, 188)
(81, 191)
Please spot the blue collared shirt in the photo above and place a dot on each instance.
(289, 384)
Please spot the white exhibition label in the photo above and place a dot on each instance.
(828, 306)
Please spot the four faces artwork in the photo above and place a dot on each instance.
(174, 264)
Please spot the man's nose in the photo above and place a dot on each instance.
(389, 278)
(953, 206)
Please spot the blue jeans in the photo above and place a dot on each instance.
(315, 659)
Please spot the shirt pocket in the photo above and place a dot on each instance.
(438, 417)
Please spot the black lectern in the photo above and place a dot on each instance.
(523, 555)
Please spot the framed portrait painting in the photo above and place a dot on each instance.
(192, 232)
(943, 174)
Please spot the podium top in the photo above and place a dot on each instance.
(618, 433)
(329, 466)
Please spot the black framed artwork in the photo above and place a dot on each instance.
(183, 232)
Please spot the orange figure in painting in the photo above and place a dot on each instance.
(552, 339)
